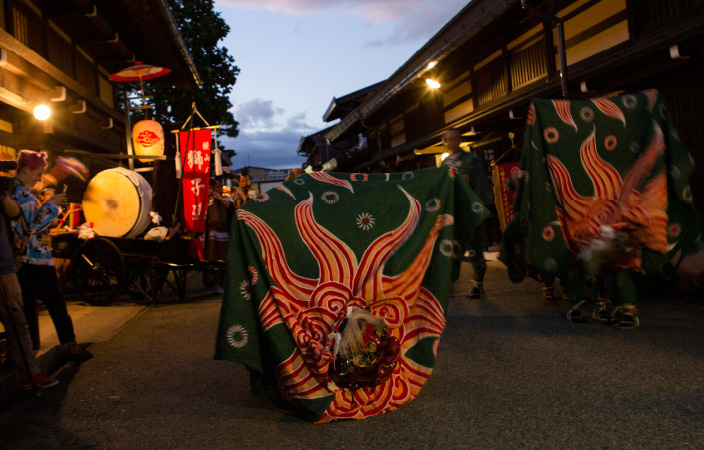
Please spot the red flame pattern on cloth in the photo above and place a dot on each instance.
(310, 307)
(327, 178)
(610, 109)
(616, 202)
(530, 120)
(652, 98)
(562, 107)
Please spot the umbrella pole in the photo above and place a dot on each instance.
(144, 99)
(128, 131)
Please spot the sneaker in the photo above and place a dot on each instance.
(548, 294)
(601, 312)
(574, 315)
(476, 292)
(625, 317)
(41, 381)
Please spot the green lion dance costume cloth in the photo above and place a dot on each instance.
(338, 284)
(606, 162)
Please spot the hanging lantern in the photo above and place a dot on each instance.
(148, 139)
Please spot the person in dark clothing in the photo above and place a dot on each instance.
(19, 342)
(472, 170)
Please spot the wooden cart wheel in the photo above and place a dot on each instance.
(98, 271)
(143, 282)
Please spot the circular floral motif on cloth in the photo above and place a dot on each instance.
(548, 233)
(432, 205)
(237, 336)
(610, 142)
(407, 175)
(551, 135)
(550, 264)
(587, 114)
(453, 171)
(477, 207)
(365, 221)
(515, 171)
(359, 177)
(675, 172)
(687, 193)
(255, 275)
(629, 101)
(330, 197)
(299, 181)
(450, 248)
(246, 289)
(471, 253)
(261, 198)
(674, 230)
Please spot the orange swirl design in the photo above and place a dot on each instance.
(310, 307)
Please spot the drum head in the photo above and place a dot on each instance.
(117, 202)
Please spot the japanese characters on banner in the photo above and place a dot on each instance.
(503, 197)
(195, 160)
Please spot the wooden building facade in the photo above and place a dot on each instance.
(495, 55)
(61, 53)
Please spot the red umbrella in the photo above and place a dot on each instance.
(139, 72)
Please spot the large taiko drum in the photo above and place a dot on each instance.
(118, 201)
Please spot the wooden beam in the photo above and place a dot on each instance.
(39, 69)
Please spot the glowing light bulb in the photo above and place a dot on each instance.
(42, 112)
(432, 83)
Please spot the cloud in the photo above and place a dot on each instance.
(413, 20)
(267, 149)
(372, 11)
(298, 123)
(262, 142)
(257, 113)
(420, 23)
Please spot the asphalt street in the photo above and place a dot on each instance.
(511, 372)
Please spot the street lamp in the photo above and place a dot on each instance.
(42, 112)
(432, 83)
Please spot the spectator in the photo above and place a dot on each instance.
(19, 342)
(37, 275)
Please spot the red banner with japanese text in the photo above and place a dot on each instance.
(195, 160)
(503, 197)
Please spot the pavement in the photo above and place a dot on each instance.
(511, 372)
(93, 327)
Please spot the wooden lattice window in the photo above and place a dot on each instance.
(528, 64)
(27, 26)
(491, 81)
(20, 27)
(653, 13)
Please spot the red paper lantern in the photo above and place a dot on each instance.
(148, 139)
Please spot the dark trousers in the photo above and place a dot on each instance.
(40, 282)
(476, 254)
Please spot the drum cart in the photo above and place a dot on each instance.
(103, 268)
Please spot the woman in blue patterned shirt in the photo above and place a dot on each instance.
(37, 275)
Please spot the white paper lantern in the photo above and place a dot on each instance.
(148, 139)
